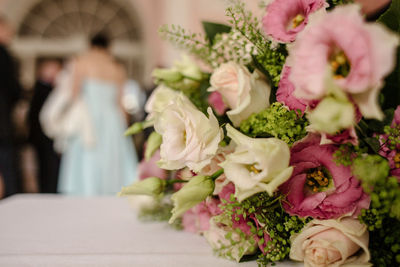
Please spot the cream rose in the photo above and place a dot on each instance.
(331, 243)
(257, 164)
(189, 137)
(244, 93)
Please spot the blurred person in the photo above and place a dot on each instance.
(10, 91)
(106, 160)
(48, 160)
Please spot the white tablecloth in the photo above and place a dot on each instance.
(54, 230)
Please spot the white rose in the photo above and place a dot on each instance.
(233, 248)
(257, 164)
(189, 137)
(161, 97)
(244, 93)
(331, 243)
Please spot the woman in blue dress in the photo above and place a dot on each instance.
(110, 161)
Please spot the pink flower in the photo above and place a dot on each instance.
(345, 136)
(150, 168)
(197, 219)
(359, 55)
(338, 192)
(286, 18)
(285, 93)
(216, 102)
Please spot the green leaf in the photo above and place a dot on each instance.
(373, 143)
(212, 29)
(391, 19)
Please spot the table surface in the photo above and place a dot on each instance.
(56, 230)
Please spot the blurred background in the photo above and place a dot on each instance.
(47, 33)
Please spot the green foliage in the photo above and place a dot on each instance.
(272, 219)
(194, 43)
(334, 3)
(159, 211)
(276, 121)
(269, 58)
(391, 18)
(384, 244)
(383, 222)
(212, 29)
(199, 96)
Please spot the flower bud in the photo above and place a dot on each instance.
(192, 193)
(152, 186)
(153, 143)
(332, 115)
(168, 75)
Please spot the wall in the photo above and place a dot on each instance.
(152, 14)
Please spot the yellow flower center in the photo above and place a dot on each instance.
(397, 160)
(184, 137)
(253, 169)
(340, 65)
(318, 179)
(296, 21)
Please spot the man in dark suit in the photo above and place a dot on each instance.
(10, 90)
(48, 160)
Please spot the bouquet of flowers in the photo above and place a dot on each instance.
(282, 140)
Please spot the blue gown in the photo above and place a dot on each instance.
(111, 163)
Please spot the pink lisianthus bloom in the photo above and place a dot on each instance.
(150, 169)
(216, 102)
(285, 93)
(358, 54)
(393, 156)
(337, 194)
(286, 18)
(197, 219)
(345, 136)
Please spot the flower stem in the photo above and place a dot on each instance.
(216, 174)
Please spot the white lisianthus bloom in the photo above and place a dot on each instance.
(189, 137)
(257, 164)
(161, 97)
(331, 243)
(244, 93)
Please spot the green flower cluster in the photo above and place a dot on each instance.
(271, 218)
(392, 138)
(383, 216)
(276, 121)
(347, 153)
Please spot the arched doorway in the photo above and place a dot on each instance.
(61, 28)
